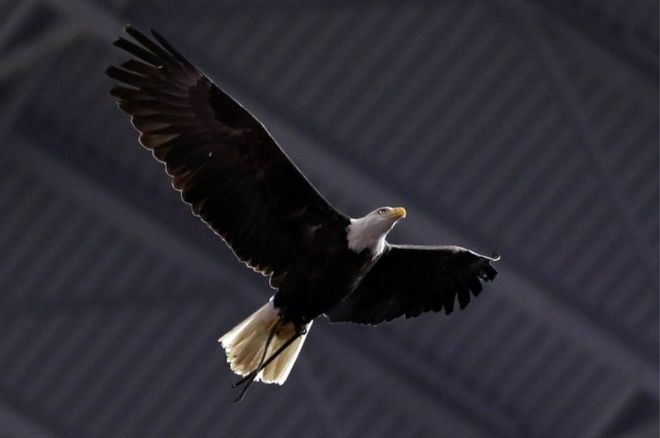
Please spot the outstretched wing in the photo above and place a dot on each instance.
(408, 280)
(221, 159)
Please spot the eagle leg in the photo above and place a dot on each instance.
(247, 380)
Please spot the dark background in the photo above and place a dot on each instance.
(522, 126)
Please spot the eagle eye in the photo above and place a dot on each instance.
(382, 210)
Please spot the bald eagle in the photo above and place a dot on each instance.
(241, 184)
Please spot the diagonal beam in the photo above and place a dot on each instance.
(13, 20)
(88, 17)
(15, 423)
(139, 226)
(331, 424)
(643, 58)
(623, 209)
(29, 56)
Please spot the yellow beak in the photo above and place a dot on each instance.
(399, 212)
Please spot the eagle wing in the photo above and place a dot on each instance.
(223, 161)
(408, 280)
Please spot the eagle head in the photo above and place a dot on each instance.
(368, 232)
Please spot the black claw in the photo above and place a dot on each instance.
(244, 379)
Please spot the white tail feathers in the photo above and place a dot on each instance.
(244, 345)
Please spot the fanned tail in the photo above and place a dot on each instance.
(244, 345)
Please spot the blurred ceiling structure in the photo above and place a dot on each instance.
(521, 126)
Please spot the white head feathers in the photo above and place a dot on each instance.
(370, 231)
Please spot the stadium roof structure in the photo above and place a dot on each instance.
(524, 126)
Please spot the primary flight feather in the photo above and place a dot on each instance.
(238, 180)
